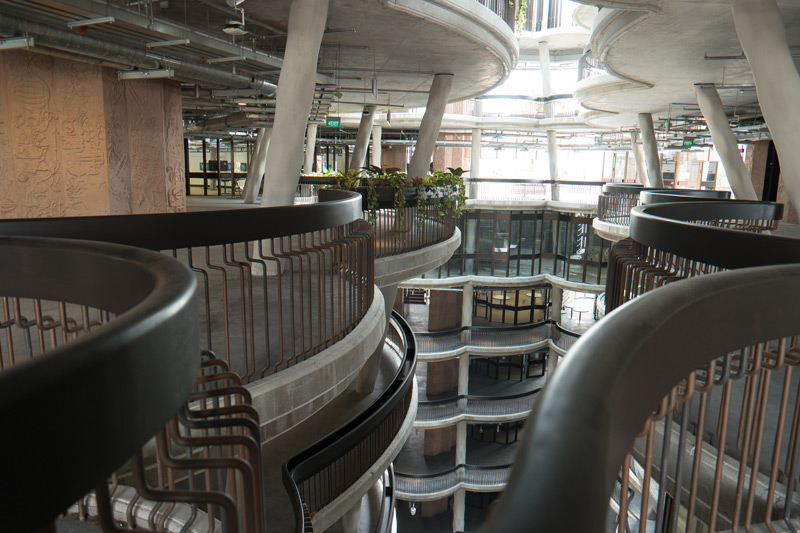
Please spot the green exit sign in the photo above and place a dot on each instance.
(333, 122)
(688, 142)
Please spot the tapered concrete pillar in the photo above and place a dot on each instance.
(650, 150)
(638, 155)
(307, 19)
(763, 38)
(362, 139)
(544, 67)
(552, 156)
(257, 165)
(311, 148)
(475, 154)
(431, 123)
(725, 142)
(377, 133)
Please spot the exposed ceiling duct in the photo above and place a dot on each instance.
(49, 37)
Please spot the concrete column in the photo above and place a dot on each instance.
(257, 165)
(638, 154)
(650, 150)
(466, 311)
(459, 507)
(377, 133)
(544, 67)
(725, 142)
(475, 154)
(552, 155)
(369, 372)
(307, 19)
(763, 38)
(429, 128)
(311, 148)
(556, 299)
(362, 139)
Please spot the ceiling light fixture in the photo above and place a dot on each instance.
(89, 22)
(146, 74)
(234, 26)
(16, 43)
(173, 42)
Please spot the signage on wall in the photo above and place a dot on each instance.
(688, 142)
(333, 122)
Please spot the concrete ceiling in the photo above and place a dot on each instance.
(661, 48)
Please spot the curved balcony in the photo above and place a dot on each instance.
(324, 479)
(494, 409)
(615, 203)
(436, 486)
(572, 195)
(286, 294)
(497, 342)
(701, 368)
(94, 334)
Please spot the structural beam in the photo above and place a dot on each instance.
(307, 19)
(430, 125)
(654, 178)
(725, 142)
(762, 35)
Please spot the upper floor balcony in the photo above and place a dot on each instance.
(699, 365)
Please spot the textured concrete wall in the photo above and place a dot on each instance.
(444, 157)
(394, 157)
(442, 376)
(444, 311)
(75, 141)
(439, 440)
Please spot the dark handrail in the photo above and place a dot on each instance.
(477, 397)
(464, 466)
(167, 231)
(681, 195)
(666, 227)
(498, 329)
(632, 189)
(324, 452)
(535, 181)
(117, 372)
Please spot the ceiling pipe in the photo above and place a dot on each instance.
(82, 45)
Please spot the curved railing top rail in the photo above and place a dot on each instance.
(490, 329)
(351, 434)
(584, 422)
(668, 228)
(519, 180)
(633, 189)
(453, 469)
(166, 231)
(681, 195)
(477, 397)
(116, 375)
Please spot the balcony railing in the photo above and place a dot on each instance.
(475, 408)
(397, 230)
(521, 190)
(486, 339)
(617, 200)
(99, 353)
(542, 107)
(434, 486)
(704, 369)
(323, 472)
(589, 67)
(276, 285)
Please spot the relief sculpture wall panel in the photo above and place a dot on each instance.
(76, 141)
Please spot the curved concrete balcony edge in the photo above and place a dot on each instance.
(332, 512)
(598, 87)
(509, 205)
(637, 5)
(495, 351)
(611, 24)
(468, 417)
(510, 283)
(282, 404)
(397, 268)
(610, 231)
(405, 496)
(472, 20)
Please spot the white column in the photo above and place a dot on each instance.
(556, 299)
(307, 19)
(359, 154)
(638, 154)
(650, 150)
(466, 311)
(431, 123)
(475, 154)
(552, 142)
(458, 509)
(311, 145)
(257, 165)
(725, 142)
(377, 133)
(763, 38)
